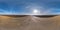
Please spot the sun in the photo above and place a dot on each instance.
(35, 11)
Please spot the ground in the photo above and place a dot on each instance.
(29, 23)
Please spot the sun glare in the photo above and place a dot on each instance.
(35, 11)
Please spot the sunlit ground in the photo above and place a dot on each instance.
(29, 23)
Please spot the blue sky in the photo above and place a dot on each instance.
(27, 6)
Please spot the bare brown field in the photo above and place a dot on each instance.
(29, 23)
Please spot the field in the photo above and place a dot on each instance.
(29, 23)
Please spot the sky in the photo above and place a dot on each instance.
(30, 7)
